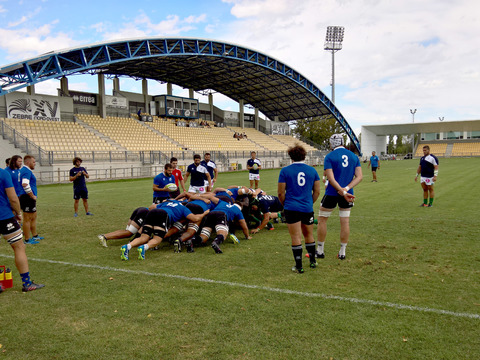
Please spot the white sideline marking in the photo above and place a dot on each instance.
(265, 288)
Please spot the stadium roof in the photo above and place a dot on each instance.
(431, 127)
(274, 88)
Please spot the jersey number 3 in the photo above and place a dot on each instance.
(345, 160)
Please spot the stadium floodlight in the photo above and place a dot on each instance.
(413, 114)
(333, 43)
(413, 136)
(441, 118)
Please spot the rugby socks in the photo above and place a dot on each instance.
(26, 279)
(431, 201)
(297, 255)
(311, 251)
(425, 201)
(219, 239)
(342, 249)
(320, 247)
(129, 247)
(146, 247)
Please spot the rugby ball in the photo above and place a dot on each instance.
(171, 187)
(255, 166)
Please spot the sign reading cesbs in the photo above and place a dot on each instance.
(32, 107)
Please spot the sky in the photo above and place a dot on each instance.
(396, 55)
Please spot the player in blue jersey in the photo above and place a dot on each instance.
(7, 163)
(428, 171)
(199, 175)
(298, 189)
(219, 219)
(343, 171)
(134, 226)
(160, 191)
(10, 216)
(211, 167)
(13, 169)
(28, 200)
(254, 165)
(78, 174)
(375, 163)
(157, 223)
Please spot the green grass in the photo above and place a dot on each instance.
(399, 253)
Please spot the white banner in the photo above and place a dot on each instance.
(116, 101)
(32, 107)
(153, 108)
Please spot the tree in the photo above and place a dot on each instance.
(318, 129)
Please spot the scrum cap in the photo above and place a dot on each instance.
(336, 140)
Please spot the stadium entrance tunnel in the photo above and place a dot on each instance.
(274, 88)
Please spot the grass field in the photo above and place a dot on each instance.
(409, 288)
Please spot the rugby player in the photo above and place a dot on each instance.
(134, 226)
(199, 174)
(428, 171)
(160, 191)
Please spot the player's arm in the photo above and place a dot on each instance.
(76, 176)
(243, 225)
(187, 174)
(265, 220)
(197, 218)
(158, 188)
(27, 188)
(217, 190)
(341, 191)
(182, 183)
(14, 202)
(209, 179)
(378, 160)
(316, 191)
(435, 172)
(369, 162)
(215, 172)
(419, 170)
(281, 192)
(86, 174)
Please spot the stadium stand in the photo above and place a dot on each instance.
(466, 149)
(201, 138)
(291, 141)
(259, 138)
(436, 149)
(59, 135)
(130, 133)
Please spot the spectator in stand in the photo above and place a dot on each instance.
(139, 113)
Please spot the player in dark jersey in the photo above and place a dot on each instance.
(428, 171)
(298, 189)
(253, 166)
(270, 206)
(343, 171)
(10, 217)
(134, 226)
(211, 168)
(199, 175)
(78, 174)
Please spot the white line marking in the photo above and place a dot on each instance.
(265, 288)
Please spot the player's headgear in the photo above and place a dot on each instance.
(336, 140)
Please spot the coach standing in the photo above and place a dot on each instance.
(78, 175)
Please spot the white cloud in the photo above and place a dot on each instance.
(396, 55)
(24, 43)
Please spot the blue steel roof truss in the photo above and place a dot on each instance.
(276, 89)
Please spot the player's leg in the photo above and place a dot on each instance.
(307, 232)
(33, 224)
(323, 216)
(374, 173)
(431, 192)
(27, 226)
(425, 194)
(295, 231)
(75, 207)
(344, 215)
(256, 184)
(21, 260)
(85, 203)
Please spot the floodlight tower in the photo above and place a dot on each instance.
(333, 43)
(413, 136)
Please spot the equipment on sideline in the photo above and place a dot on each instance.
(171, 187)
(6, 280)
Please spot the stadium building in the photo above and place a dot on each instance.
(445, 138)
(132, 135)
